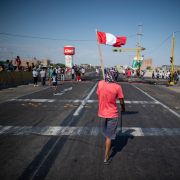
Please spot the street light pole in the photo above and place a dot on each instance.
(139, 34)
(172, 61)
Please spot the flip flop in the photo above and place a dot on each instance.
(107, 162)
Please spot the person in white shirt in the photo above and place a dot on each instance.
(97, 71)
(72, 72)
(168, 75)
(43, 76)
(83, 71)
(35, 76)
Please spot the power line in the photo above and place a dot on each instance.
(163, 42)
(45, 38)
(48, 38)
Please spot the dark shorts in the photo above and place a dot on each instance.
(109, 127)
(54, 83)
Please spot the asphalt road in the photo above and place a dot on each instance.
(46, 136)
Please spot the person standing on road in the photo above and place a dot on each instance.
(108, 91)
(43, 76)
(163, 75)
(78, 76)
(168, 75)
(128, 74)
(157, 75)
(72, 73)
(50, 75)
(176, 77)
(83, 71)
(18, 62)
(153, 76)
(35, 76)
(97, 71)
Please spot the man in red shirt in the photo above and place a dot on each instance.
(128, 73)
(18, 62)
(108, 92)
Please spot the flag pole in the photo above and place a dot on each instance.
(100, 55)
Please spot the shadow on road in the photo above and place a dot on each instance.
(129, 112)
(121, 141)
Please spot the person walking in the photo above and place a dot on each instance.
(54, 81)
(62, 73)
(108, 91)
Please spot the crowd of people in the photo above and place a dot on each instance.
(16, 65)
(167, 76)
(55, 74)
(77, 72)
(129, 73)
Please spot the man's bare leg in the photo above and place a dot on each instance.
(108, 148)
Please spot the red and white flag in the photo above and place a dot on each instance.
(110, 39)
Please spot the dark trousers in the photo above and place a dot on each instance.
(35, 80)
(43, 81)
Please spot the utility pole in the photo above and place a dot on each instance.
(138, 45)
(139, 34)
(172, 61)
(138, 49)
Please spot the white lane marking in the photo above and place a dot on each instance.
(141, 102)
(80, 101)
(23, 95)
(84, 131)
(163, 105)
(67, 89)
(33, 100)
(4, 129)
(63, 91)
(129, 102)
(58, 94)
(134, 131)
(84, 101)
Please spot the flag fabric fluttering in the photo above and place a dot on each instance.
(110, 39)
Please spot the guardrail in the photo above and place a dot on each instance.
(15, 78)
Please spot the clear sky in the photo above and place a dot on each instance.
(41, 28)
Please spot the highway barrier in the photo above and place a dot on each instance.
(15, 78)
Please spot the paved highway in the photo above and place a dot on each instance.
(46, 136)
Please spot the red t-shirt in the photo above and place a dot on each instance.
(108, 93)
(128, 73)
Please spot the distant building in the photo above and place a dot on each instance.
(86, 66)
(119, 68)
(168, 67)
(45, 62)
(146, 63)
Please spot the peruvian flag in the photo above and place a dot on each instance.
(110, 39)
